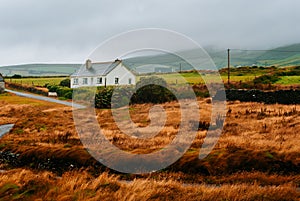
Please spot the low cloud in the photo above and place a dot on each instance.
(67, 31)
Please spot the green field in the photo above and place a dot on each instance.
(172, 78)
(244, 74)
(37, 81)
(289, 80)
(180, 78)
(191, 78)
(195, 78)
(39, 70)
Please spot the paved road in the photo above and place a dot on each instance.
(43, 98)
(5, 128)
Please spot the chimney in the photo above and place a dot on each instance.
(88, 64)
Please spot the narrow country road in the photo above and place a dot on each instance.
(43, 98)
(5, 129)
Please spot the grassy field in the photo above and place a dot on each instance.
(23, 184)
(243, 74)
(195, 78)
(192, 78)
(40, 69)
(256, 158)
(37, 81)
(289, 80)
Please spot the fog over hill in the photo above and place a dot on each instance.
(281, 56)
(166, 62)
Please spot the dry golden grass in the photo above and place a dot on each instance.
(20, 184)
(249, 126)
(271, 130)
(259, 147)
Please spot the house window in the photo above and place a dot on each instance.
(85, 80)
(75, 81)
(92, 80)
(129, 81)
(99, 80)
(116, 80)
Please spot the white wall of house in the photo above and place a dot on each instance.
(2, 87)
(120, 75)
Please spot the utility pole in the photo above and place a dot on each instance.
(179, 67)
(228, 65)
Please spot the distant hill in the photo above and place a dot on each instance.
(281, 56)
(156, 63)
(40, 69)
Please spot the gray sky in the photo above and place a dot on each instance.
(68, 31)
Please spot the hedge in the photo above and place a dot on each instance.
(61, 91)
(31, 89)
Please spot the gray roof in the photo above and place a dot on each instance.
(97, 69)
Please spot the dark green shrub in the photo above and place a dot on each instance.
(122, 96)
(61, 91)
(289, 73)
(65, 83)
(266, 79)
(152, 90)
(149, 90)
(103, 98)
(204, 94)
(52, 88)
(16, 76)
(85, 94)
(68, 95)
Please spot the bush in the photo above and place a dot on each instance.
(152, 90)
(103, 97)
(122, 96)
(266, 79)
(68, 95)
(16, 76)
(289, 73)
(149, 90)
(65, 83)
(52, 88)
(61, 91)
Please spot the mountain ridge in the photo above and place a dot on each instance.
(288, 55)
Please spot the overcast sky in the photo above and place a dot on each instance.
(69, 30)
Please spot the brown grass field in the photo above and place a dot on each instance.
(256, 158)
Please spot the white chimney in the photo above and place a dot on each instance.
(88, 64)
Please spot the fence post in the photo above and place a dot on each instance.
(228, 65)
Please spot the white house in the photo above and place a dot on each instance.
(102, 74)
(2, 84)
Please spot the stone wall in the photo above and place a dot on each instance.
(269, 97)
